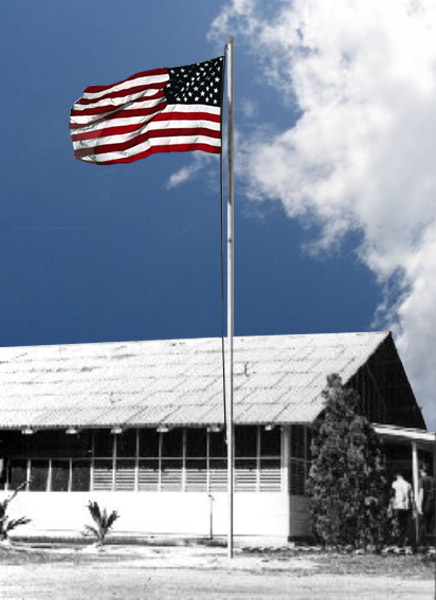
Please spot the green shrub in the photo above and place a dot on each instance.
(347, 485)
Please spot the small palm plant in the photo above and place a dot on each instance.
(7, 524)
(103, 523)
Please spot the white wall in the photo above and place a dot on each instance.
(52, 513)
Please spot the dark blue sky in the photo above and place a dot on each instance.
(94, 253)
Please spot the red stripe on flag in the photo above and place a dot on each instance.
(158, 149)
(97, 110)
(93, 89)
(188, 115)
(121, 113)
(89, 135)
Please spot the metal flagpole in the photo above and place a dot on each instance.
(230, 294)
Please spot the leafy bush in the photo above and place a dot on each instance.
(7, 524)
(347, 484)
(103, 522)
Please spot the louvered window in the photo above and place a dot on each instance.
(196, 475)
(297, 477)
(148, 475)
(103, 475)
(246, 475)
(217, 475)
(270, 475)
(171, 475)
(125, 475)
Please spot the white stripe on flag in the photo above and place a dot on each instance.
(83, 120)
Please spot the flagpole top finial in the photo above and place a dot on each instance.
(230, 39)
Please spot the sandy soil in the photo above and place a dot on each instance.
(185, 573)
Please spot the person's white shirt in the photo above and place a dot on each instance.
(403, 494)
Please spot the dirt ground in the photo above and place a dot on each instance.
(199, 572)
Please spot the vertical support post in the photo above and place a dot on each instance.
(28, 474)
(285, 452)
(159, 460)
(211, 501)
(91, 474)
(48, 485)
(184, 433)
(114, 460)
(137, 461)
(230, 293)
(70, 475)
(415, 486)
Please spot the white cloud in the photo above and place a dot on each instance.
(198, 162)
(182, 175)
(250, 109)
(363, 154)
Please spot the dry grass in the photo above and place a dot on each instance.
(416, 566)
(22, 555)
(408, 567)
(351, 563)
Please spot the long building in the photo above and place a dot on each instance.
(138, 427)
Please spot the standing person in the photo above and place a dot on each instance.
(426, 503)
(402, 503)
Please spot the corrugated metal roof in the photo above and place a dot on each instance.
(278, 379)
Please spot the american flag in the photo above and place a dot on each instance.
(162, 110)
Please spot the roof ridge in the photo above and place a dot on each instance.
(193, 339)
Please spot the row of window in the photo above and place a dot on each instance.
(144, 475)
(183, 459)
